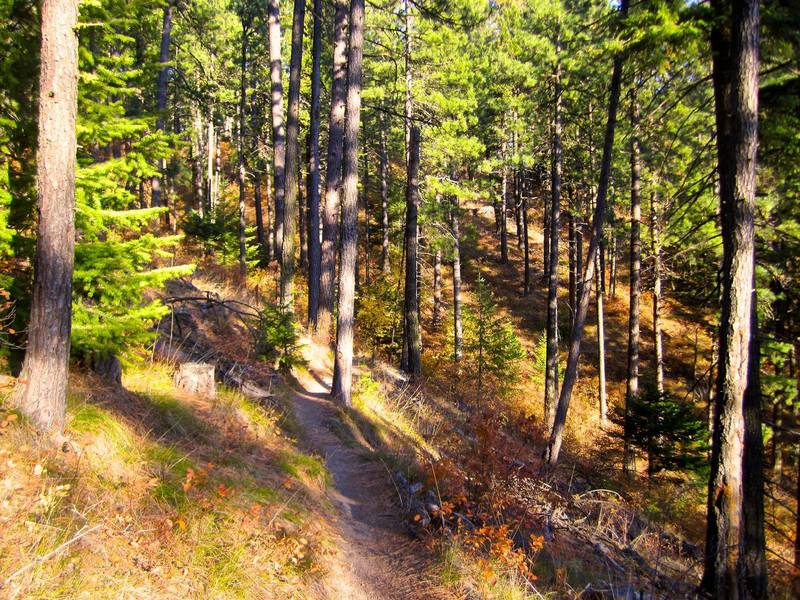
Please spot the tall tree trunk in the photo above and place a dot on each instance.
(503, 211)
(269, 216)
(367, 212)
(458, 329)
(314, 242)
(333, 175)
(255, 149)
(517, 208)
(42, 385)
(240, 151)
(161, 96)
(752, 565)
(551, 369)
(408, 23)
(290, 206)
(212, 151)
(526, 278)
(658, 345)
(571, 371)
(730, 544)
(632, 389)
(278, 126)
(410, 298)
(349, 247)
(572, 242)
(601, 345)
(385, 264)
(437, 288)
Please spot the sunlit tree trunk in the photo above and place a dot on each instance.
(257, 166)
(658, 345)
(240, 152)
(571, 371)
(278, 126)
(314, 241)
(161, 95)
(735, 565)
(349, 248)
(385, 264)
(458, 329)
(551, 370)
(632, 389)
(290, 204)
(413, 365)
(42, 385)
(333, 174)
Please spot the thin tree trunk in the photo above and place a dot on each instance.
(655, 210)
(572, 242)
(386, 266)
(333, 175)
(269, 216)
(734, 565)
(437, 288)
(632, 390)
(601, 347)
(367, 278)
(240, 151)
(212, 151)
(255, 148)
(458, 329)
(518, 209)
(42, 385)
(526, 279)
(412, 332)
(551, 369)
(408, 23)
(314, 242)
(290, 204)
(349, 247)
(503, 214)
(571, 371)
(161, 96)
(278, 126)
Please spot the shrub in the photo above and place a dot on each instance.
(279, 338)
(672, 433)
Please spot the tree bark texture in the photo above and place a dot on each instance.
(314, 242)
(349, 247)
(413, 365)
(42, 385)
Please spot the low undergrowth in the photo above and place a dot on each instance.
(159, 494)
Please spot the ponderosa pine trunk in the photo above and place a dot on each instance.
(349, 246)
(161, 96)
(571, 370)
(290, 204)
(333, 175)
(314, 242)
(551, 368)
(632, 388)
(458, 328)
(240, 151)
(42, 384)
(385, 264)
(734, 564)
(278, 126)
(413, 363)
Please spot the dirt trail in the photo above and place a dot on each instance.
(378, 558)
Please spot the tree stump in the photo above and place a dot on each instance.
(196, 378)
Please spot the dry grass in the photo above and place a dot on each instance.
(161, 495)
